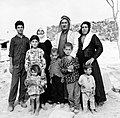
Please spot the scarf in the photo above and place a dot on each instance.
(87, 40)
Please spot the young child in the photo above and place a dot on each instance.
(87, 84)
(36, 85)
(69, 68)
(57, 94)
(34, 56)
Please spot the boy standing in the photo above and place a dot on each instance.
(87, 84)
(18, 48)
(69, 68)
(56, 79)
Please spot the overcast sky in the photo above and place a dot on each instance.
(35, 13)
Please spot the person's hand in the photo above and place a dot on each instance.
(43, 75)
(83, 86)
(62, 80)
(70, 68)
(90, 61)
(50, 81)
(11, 69)
(26, 82)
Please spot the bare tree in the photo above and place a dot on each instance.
(115, 11)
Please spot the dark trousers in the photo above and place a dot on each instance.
(19, 75)
(57, 92)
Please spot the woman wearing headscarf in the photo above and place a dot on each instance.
(90, 48)
(46, 45)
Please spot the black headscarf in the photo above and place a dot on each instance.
(88, 24)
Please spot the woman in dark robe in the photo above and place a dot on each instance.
(90, 48)
(46, 45)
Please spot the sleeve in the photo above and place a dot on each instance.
(93, 82)
(48, 46)
(43, 63)
(98, 46)
(28, 44)
(80, 80)
(27, 60)
(11, 49)
(75, 37)
(76, 64)
(63, 68)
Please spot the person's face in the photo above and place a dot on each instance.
(67, 50)
(85, 29)
(54, 56)
(88, 71)
(64, 24)
(33, 73)
(34, 43)
(20, 29)
(40, 32)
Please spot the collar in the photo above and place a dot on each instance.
(87, 40)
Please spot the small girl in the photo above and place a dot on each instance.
(87, 84)
(36, 85)
(35, 56)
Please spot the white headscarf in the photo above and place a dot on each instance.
(42, 34)
(87, 40)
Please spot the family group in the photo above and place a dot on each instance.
(62, 71)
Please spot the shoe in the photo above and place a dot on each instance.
(10, 108)
(76, 111)
(62, 105)
(23, 104)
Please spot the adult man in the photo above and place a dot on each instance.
(18, 48)
(65, 35)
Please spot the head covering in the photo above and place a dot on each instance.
(65, 17)
(88, 24)
(62, 18)
(34, 37)
(41, 33)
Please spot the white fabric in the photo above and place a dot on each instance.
(43, 37)
(72, 37)
(87, 40)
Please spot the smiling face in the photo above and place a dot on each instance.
(34, 43)
(88, 71)
(85, 29)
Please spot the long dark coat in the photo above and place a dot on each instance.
(94, 49)
(46, 46)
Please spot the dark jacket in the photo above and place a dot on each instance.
(94, 49)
